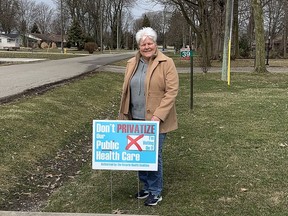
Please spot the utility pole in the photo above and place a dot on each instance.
(61, 20)
(227, 39)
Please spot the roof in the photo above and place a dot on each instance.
(10, 35)
(57, 38)
(49, 37)
(43, 37)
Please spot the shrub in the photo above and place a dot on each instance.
(244, 46)
(90, 47)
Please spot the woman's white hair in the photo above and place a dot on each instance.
(146, 32)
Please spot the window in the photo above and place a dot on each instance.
(9, 40)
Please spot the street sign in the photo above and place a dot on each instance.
(185, 53)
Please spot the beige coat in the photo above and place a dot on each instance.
(161, 88)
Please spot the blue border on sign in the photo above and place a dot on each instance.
(125, 145)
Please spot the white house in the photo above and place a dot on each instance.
(10, 41)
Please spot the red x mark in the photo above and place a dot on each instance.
(134, 142)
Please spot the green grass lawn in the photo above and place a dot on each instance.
(228, 157)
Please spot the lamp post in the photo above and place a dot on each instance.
(268, 49)
(101, 26)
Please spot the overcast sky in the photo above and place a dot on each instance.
(144, 6)
(141, 7)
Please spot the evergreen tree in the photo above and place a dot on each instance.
(146, 22)
(35, 29)
(75, 34)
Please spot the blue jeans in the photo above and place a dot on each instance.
(153, 180)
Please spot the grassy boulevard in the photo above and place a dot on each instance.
(228, 157)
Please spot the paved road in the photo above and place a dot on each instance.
(15, 79)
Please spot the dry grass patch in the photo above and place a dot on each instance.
(228, 157)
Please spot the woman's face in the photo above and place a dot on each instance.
(147, 47)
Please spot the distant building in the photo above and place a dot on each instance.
(10, 41)
(49, 40)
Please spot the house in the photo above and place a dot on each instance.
(10, 41)
(47, 40)
(56, 38)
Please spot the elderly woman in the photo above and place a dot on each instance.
(149, 93)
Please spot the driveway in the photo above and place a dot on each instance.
(16, 79)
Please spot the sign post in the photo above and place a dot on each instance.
(191, 78)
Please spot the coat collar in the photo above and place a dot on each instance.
(158, 57)
(154, 61)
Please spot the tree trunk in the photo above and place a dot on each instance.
(206, 39)
(216, 25)
(260, 66)
(235, 37)
(285, 35)
(202, 31)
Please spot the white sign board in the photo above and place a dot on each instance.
(125, 145)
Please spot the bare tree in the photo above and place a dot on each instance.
(27, 12)
(178, 32)
(137, 24)
(8, 11)
(26, 17)
(206, 21)
(115, 18)
(94, 20)
(259, 37)
(60, 15)
(100, 19)
(235, 35)
(44, 17)
(285, 35)
(127, 30)
(274, 14)
(274, 22)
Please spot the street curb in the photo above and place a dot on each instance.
(16, 213)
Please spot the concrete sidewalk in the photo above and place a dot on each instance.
(15, 213)
(121, 69)
(19, 60)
